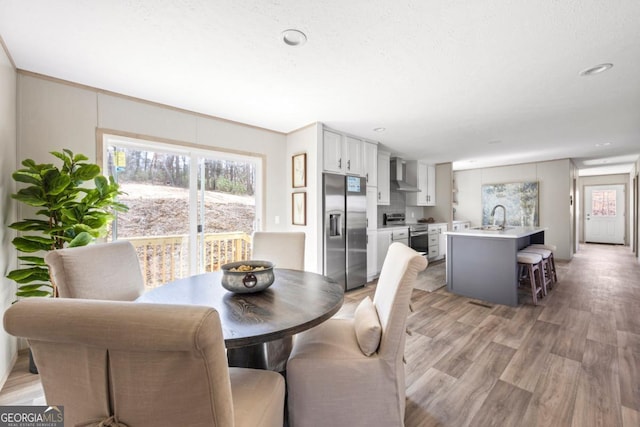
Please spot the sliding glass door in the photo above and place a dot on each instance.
(190, 210)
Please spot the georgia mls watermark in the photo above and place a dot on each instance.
(31, 416)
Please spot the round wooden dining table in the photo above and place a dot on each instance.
(258, 327)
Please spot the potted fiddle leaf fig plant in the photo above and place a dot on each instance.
(68, 214)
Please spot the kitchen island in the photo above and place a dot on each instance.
(482, 262)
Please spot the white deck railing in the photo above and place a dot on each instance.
(166, 258)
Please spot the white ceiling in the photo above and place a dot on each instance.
(478, 83)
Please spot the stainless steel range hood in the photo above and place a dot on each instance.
(399, 175)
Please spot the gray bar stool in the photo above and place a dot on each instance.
(532, 264)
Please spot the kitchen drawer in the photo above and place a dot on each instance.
(433, 240)
(400, 234)
(433, 251)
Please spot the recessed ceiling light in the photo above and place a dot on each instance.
(603, 144)
(600, 68)
(379, 129)
(294, 37)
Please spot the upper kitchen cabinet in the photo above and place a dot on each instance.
(353, 156)
(332, 152)
(342, 154)
(423, 176)
(384, 171)
(371, 163)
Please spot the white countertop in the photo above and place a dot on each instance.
(508, 233)
(393, 226)
(409, 224)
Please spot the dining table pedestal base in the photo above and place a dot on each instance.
(271, 355)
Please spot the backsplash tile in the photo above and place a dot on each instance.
(397, 205)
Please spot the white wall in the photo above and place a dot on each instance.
(53, 115)
(623, 179)
(8, 344)
(305, 140)
(554, 178)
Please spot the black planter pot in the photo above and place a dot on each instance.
(32, 364)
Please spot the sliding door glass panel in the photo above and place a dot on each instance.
(227, 210)
(156, 185)
(190, 210)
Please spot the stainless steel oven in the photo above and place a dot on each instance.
(419, 238)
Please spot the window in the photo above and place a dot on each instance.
(603, 203)
(190, 210)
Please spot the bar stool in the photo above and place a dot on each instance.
(552, 261)
(546, 267)
(531, 263)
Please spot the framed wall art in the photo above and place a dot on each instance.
(520, 200)
(299, 170)
(299, 208)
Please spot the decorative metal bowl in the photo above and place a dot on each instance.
(244, 277)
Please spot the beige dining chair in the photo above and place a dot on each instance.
(105, 271)
(284, 249)
(133, 364)
(349, 371)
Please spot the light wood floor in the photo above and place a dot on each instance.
(574, 360)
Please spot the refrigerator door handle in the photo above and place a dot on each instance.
(335, 225)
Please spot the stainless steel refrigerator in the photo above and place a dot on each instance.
(345, 229)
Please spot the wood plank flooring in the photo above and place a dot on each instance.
(574, 360)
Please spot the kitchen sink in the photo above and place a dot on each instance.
(492, 228)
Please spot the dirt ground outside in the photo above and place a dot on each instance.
(159, 210)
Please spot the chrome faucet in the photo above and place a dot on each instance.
(504, 216)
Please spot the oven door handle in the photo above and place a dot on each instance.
(418, 233)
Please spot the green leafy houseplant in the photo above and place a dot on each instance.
(68, 214)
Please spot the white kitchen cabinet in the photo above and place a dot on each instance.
(442, 241)
(353, 149)
(437, 241)
(371, 163)
(383, 243)
(332, 152)
(423, 176)
(431, 185)
(372, 208)
(342, 154)
(372, 255)
(384, 170)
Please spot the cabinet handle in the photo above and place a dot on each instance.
(348, 165)
(379, 195)
(367, 176)
(340, 163)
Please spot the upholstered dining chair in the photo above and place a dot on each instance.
(284, 249)
(105, 271)
(349, 371)
(134, 364)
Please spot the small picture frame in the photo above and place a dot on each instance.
(299, 208)
(299, 170)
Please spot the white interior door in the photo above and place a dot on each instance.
(604, 214)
